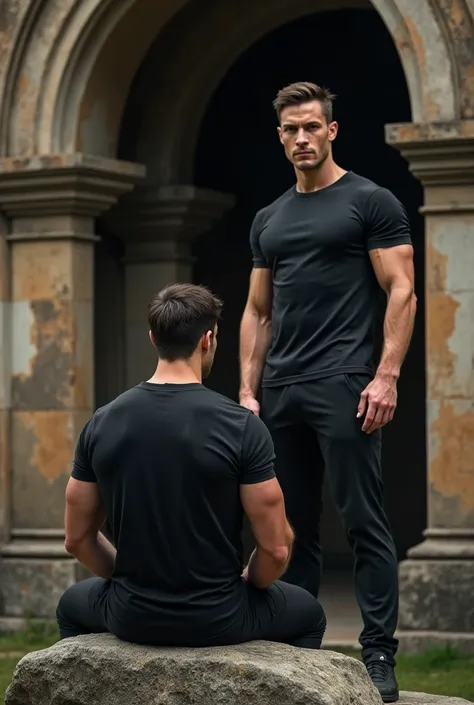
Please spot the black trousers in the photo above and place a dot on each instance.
(284, 613)
(315, 429)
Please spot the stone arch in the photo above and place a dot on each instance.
(60, 42)
(55, 95)
(429, 74)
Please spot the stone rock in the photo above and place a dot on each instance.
(101, 669)
(425, 699)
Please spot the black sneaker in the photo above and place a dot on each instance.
(382, 674)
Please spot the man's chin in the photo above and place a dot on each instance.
(307, 164)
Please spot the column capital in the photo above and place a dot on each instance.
(439, 154)
(165, 214)
(79, 185)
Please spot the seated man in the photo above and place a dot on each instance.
(173, 466)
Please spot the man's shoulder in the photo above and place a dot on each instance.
(361, 185)
(220, 401)
(267, 211)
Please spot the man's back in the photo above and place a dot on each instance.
(169, 459)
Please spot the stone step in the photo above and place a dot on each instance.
(425, 699)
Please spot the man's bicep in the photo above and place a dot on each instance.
(394, 267)
(85, 511)
(260, 292)
(264, 505)
(261, 498)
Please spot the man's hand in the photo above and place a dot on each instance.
(378, 402)
(250, 403)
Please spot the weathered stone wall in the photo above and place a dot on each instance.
(4, 380)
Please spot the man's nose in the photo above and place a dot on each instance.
(301, 137)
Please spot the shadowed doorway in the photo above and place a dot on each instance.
(352, 53)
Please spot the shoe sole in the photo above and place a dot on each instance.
(390, 698)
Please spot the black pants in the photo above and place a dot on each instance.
(284, 613)
(315, 429)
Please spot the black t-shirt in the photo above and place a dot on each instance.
(325, 291)
(169, 460)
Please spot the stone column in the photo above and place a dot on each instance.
(52, 203)
(4, 381)
(158, 227)
(437, 579)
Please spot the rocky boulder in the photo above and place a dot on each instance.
(101, 669)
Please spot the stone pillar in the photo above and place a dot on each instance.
(158, 227)
(52, 203)
(4, 381)
(437, 579)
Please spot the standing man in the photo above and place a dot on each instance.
(320, 252)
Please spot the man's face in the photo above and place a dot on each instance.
(208, 352)
(306, 135)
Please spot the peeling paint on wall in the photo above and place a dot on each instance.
(43, 353)
(23, 348)
(450, 308)
(452, 464)
(52, 449)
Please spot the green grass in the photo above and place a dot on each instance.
(14, 646)
(38, 635)
(440, 671)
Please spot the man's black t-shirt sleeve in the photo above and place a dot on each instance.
(257, 453)
(386, 221)
(82, 468)
(258, 258)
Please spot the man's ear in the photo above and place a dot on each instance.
(333, 130)
(150, 335)
(206, 340)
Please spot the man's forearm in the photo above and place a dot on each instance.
(96, 554)
(265, 567)
(398, 329)
(255, 338)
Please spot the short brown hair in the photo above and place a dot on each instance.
(299, 93)
(179, 316)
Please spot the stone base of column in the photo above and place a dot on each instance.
(436, 593)
(35, 573)
(412, 642)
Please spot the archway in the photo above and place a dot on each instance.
(72, 100)
(64, 81)
(238, 151)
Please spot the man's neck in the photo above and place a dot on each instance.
(315, 179)
(179, 372)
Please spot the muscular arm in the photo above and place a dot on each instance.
(263, 502)
(265, 508)
(255, 332)
(395, 273)
(84, 516)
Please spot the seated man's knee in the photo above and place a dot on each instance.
(319, 621)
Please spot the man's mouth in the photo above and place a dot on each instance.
(304, 154)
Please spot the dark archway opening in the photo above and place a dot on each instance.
(351, 52)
